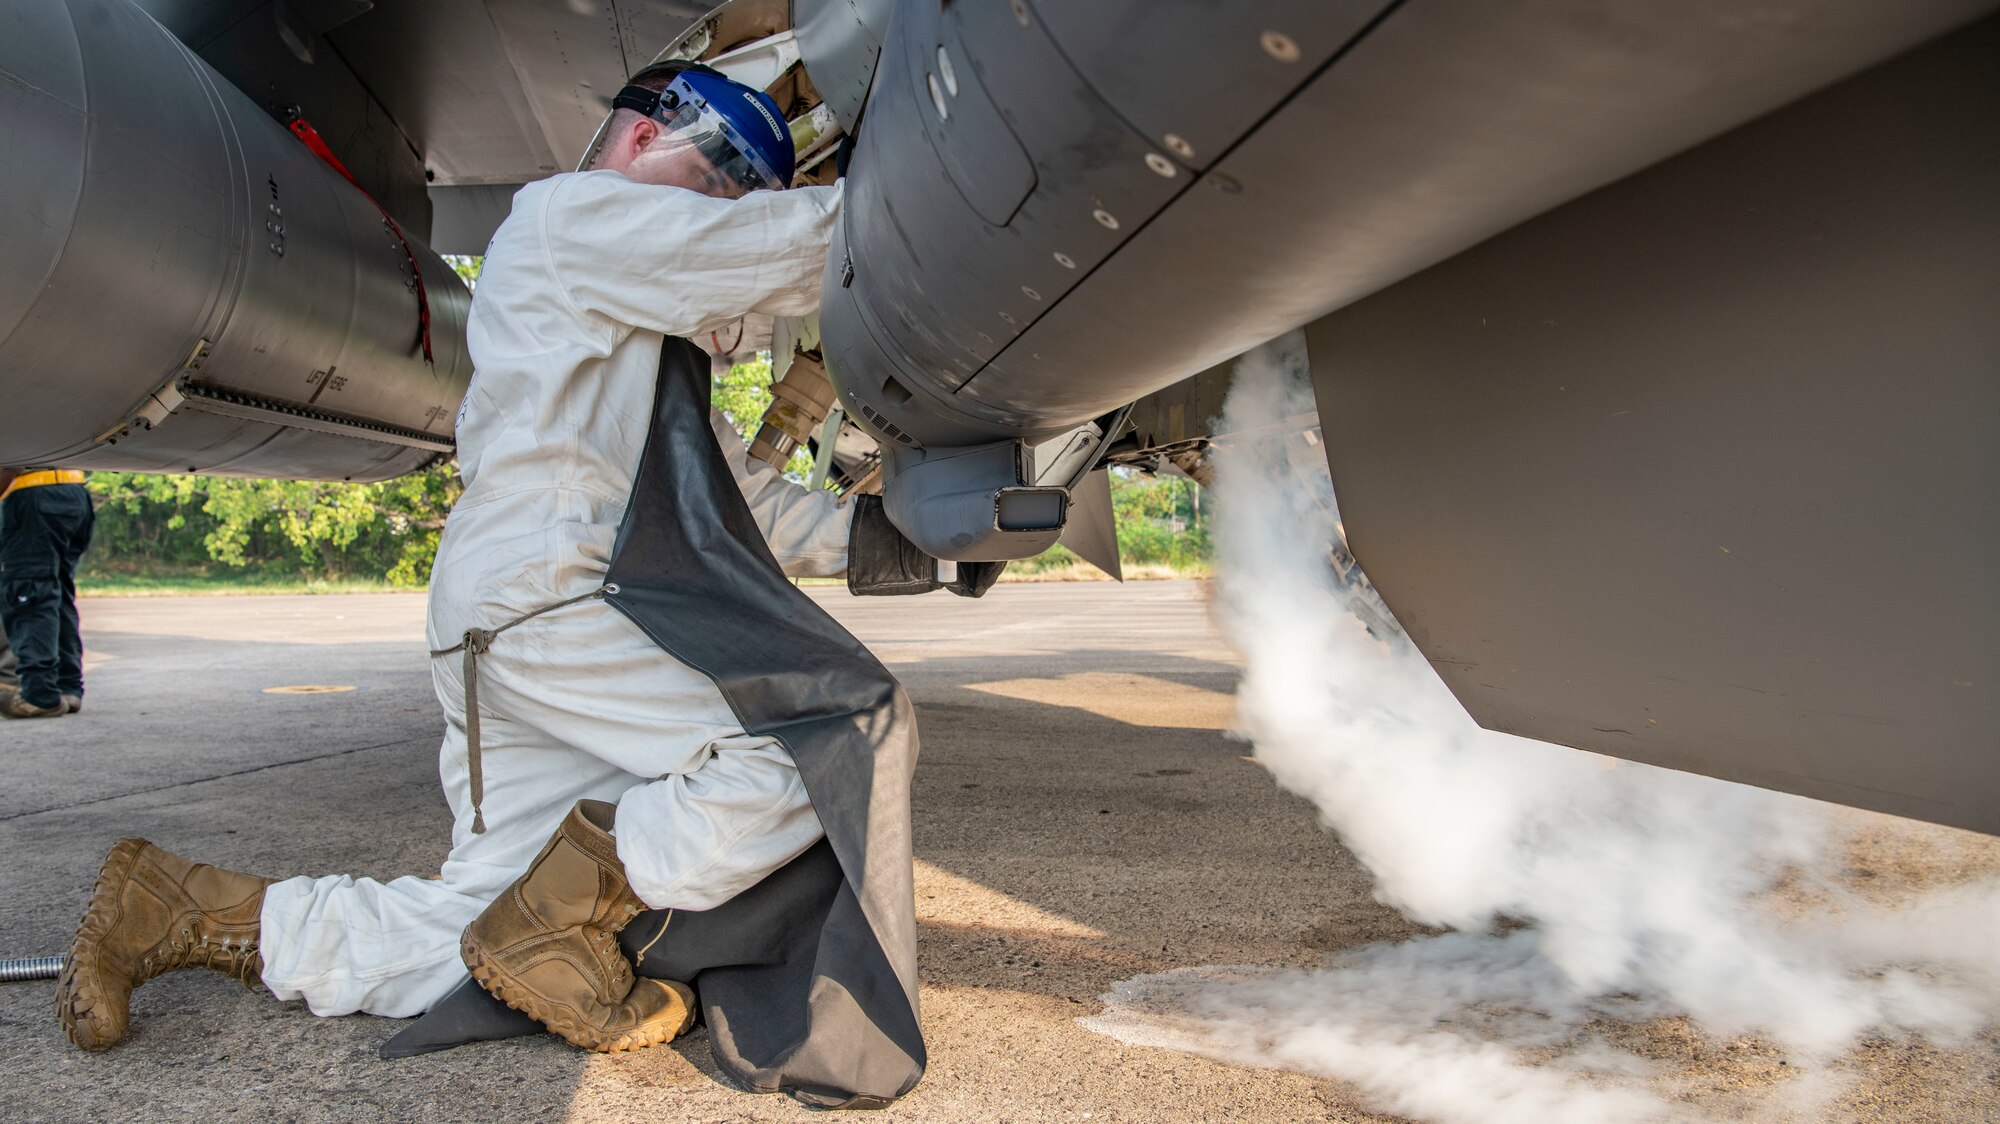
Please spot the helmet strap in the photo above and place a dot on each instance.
(637, 98)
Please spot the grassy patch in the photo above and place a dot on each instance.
(218, 581)
(1081, 571)
(227, 581)
(1060, 564)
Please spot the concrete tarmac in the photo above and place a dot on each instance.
(1081, 816)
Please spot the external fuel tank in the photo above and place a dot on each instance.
(1054, 209)
(189, 288)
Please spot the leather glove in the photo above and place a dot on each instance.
(882, 563)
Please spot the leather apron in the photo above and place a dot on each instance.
(807, 980)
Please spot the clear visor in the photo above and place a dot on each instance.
(732, 166)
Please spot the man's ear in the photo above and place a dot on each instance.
(644, 132)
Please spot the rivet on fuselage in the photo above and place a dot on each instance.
(1280, 46)
(937, 97)
(947, 72)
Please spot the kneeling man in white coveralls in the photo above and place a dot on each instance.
(606, 776)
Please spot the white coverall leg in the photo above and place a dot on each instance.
(579, 703)
(391, 948)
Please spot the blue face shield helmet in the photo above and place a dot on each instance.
(737, 130)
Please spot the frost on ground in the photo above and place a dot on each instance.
(1586, 902)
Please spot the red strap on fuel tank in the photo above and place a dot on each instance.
(302, 129)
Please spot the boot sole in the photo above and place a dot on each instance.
(503, 986)
(80, 987)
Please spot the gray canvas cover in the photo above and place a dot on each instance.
(807, 981)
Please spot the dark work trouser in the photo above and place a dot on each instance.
(9, 676)
(43, 532)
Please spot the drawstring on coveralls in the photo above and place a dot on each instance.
(474, 645)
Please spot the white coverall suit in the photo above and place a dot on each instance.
(580, 284)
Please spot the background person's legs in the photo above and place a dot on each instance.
(30, 608)
(10, 677)
(43, 531)
(69, 641)
(29, 595)
(69, 629)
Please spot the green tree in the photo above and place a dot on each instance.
(1160, 519)
(467, 267)
(742, 394)
(388, 530)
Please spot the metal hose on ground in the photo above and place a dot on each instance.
(32, 968)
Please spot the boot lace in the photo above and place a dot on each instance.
(240, 958)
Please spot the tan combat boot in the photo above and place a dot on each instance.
(548, 946)
(153, 912)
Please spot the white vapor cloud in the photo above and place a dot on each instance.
(1582, 893)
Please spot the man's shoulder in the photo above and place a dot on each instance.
(521, 234)
(534, 198)
(573, 189)
(571, 205)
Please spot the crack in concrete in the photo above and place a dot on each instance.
(205, 780)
